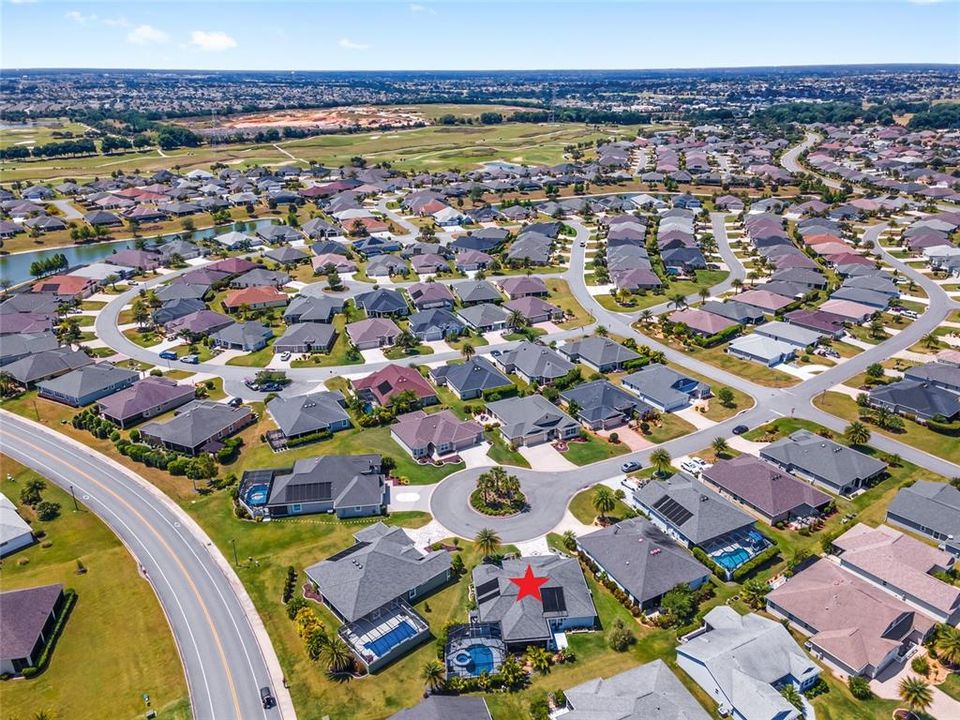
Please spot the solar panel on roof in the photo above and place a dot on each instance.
(311, 492)
(487, 590)
(553, 599)
(348, 552)
(672, 510)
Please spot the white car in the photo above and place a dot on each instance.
(690, 466)
(285, 356)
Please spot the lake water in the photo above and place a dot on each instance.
(16, 268)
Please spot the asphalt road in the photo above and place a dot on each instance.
(226, 658)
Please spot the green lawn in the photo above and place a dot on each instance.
(338, 355)
(143, 338)
(396, 353)
(639, 301)
(918, 436)
(951, 686)
(717, 410)
(760, 374)
(260, 358)
(501, 453)
(593, 450)
(671, 426)
(142, 658)
(581, 507)
(354, 441)
(561, 296)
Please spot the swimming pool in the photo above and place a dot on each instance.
(732, 559)
(475, 659)
(382, 645)
(257, 495)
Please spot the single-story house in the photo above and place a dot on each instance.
(642, 561)
(534, 363)
(15, 533)
(383, 385)
(255, 298)
(28, 618)
(437, 434)
(765, 489)
(475, 292)
(485, 317)
(838, 468)
(311, 308)
(248, 336)
(600, 353)
(665, 388)
(742, 661)
(382, 303)
(852, 624)
(426, 296)
(307, 414)
(308, 337)
(565, 602)
(471, 379)
(87, 384)
(790, 334)
(601, 405)
(436, 324)
(701, 322)
(534, 310)
(916, 398)
(532, 420)
(762, 349)
(930, 509)
(198, 427)
(144, 399)
(372, 333)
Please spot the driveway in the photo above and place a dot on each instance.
(477, 456)
(545, 458)
(373, 355)
(410, 497)
(887, 686)
(628, 436)
(695, 418)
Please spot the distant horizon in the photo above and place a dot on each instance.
(691, 68)
(469, 35)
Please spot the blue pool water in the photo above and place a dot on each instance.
(481, 659)
(382, 645)
(733, 559)
(257, 495)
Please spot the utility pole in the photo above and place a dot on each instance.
(233, 542)
(76, 506)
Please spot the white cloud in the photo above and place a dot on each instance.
(79, 17)
(212, 41)
(146, 35)
(116, 22)
(418, 8)
(349, 44)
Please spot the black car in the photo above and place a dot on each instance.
(266, 697)
(740, 429)
(235, 402)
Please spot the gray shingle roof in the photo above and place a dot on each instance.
(707, 515)
(627, 553)
(602, 400)
(535, 361)
(344, 480)
(380, 567)
(529, 415)
(23, 613)
(88, 379)
(446, 707)
(641, 693)
(527, 619)
(822, 458)
(307, 413)
(477, 373)
(598, 351)
(196, 423)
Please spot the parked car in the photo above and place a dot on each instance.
(690, 466)
(235, 402)
(912, 314)
(190, 359)
(631, 466)
(168, 355)
(285, 356)
(740, 429)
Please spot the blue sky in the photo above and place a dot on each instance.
(465, 34)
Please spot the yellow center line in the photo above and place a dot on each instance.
(176, 559)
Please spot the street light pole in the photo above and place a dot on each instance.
(75, 505)
(233, 542)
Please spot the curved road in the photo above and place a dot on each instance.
(226, 654)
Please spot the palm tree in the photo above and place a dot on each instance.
(467, 350)
(646, 315)
(488, 541)
(737, 284)
(433, 674)
(916, 694)
(539, 659)
(603, 501)
(931, 341)
(704, 293)
(755, 593)
(335, 654)
(569, 540)
(602, 331)
(661, 460)
(948, 644)
(720, 446)
(857, 433)
(678, 300)
(516, 320)
(790, 694)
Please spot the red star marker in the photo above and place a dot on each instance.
(529, 584)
